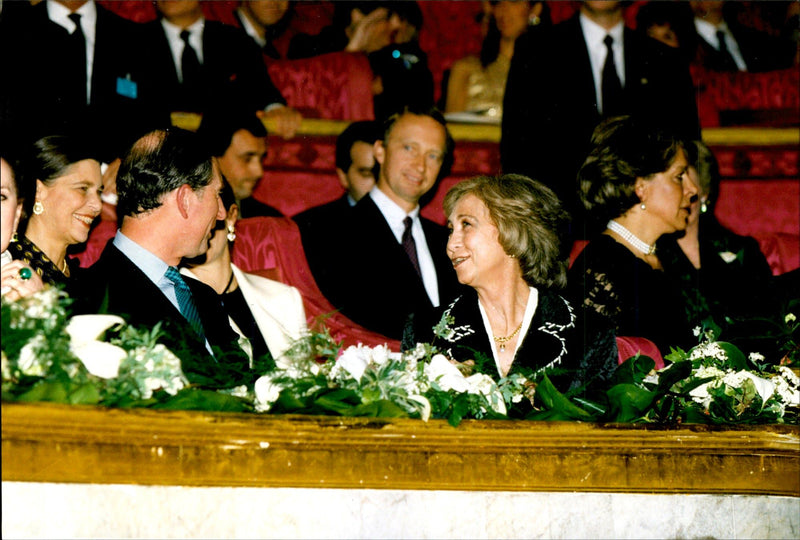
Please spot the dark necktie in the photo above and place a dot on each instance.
(727, 63)
(185, 301)
(611, 86)
(190, 65)
(409, 245)
(78, 54)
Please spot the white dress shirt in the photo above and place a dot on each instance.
(176, 44)
(708, 32)
(394, 216)
(59, 14)
(248, 27)
(594, 35)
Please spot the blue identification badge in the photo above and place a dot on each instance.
(126, 87)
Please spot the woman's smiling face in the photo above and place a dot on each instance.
(474, 246)
(71, 202)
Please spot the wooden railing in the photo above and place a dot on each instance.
(491, 133)
(79, 444)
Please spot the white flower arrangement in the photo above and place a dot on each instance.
(83, 358)
(727, 388)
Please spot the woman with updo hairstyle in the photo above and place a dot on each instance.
(634, 185)
(66, 201)
(505, 246)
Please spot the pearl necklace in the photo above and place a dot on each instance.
(502, 340)
(628, 236)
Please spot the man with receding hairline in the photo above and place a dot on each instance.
(168, 189)
(383, 260)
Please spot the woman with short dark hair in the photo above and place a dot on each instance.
(504, 244)
(634, 183)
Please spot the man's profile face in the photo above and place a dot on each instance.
(207, 210)
(410, 159)
(242, 163)
(360, 176)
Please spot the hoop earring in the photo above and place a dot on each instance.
(534, 20)
(14, 237)
(231, 233)
(38, 208)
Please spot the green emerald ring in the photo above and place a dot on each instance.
(25, 273)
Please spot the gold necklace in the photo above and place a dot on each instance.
(502, 340)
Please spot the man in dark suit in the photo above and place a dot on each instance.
(169, 198)
(355, 168)
(238, 139)
(722, 44)
(555, 95)
(74, 68)
(382, 260)
(197, 64)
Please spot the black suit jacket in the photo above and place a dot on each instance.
(550, 101)
(43, 99)
(115, 285)
(365, 272)
(233, 71)
(315, 225)
(557, 338)
(761, 51)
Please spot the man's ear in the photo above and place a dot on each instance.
(342, 178)
(380, 151)
(183, 200)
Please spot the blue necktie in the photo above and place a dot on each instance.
(185, 301)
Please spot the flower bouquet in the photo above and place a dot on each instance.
(91, 359)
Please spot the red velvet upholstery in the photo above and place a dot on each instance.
(274, 243)
(98, 238)
(770, 98)
(333, 86)
(629, 346)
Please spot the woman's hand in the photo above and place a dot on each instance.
(17, 280)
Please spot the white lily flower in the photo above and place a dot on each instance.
(100, 358)
(85, 328)
(445, 374)
(764, 387)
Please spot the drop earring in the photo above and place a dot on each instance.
(38, 208)
(231, 233)
(643, 207)
(703, 206)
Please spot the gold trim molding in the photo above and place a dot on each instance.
(79, 444)
(726, 136)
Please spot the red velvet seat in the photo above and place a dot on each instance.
(274, 244)
(98, 238)
(334, 86)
